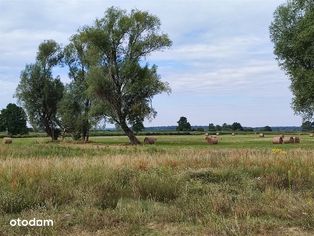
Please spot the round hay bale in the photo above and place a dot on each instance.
(261, 135)
(287, 140)
(212, 140)
(311, 135)
(7, 140)
(296, 140)
(150, 140)
(233, 134)
(277, 140)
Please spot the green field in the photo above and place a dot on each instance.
(245, 185)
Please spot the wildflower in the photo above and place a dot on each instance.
(278, 151)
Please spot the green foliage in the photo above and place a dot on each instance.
(292, 33)
(218, 128)
(138, 126)
(307, 126)
(70, 110)
(236, 126)
(199, 129)
(13, 119)
(266, 128)
(183, 124)
(2, 123)
(39, 92)
(226, 127)
(75, 106)
(49, 55)
(118, 79)
(248, 129)
(211, 127)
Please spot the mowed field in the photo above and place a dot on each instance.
(245, 185)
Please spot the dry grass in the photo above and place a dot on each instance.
(98, 189)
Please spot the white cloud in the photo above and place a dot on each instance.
(7, 89)
(233, 78)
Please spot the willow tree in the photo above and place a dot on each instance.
(39, 92)
(75, 105)
(292, 33)
(120, 80)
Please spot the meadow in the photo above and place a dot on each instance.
(245, 185)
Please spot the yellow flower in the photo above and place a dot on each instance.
(278, 151)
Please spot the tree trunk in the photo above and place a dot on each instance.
(51, 133)
(86, 124)
(49, 130)
(85, 135)
(129, 133)
(53, 137)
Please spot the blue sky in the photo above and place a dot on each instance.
(221, 67)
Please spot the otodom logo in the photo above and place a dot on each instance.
(33, 222)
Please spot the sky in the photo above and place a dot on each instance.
(221, 66)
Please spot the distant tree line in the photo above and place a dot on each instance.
(184, 125)
(236, 126)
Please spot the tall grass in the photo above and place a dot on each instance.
(119, 190)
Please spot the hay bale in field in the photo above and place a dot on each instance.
(296, 140)
(7, 141)
(277, 140)
(150, 140)
(288, 140)
(233, 134)
(311, 135)
(212, 139)
(261, 135)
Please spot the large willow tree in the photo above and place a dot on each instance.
(120, 81)
(292, 32)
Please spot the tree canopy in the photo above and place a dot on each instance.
(266, 128)
(13, 120)
(75, 106)
(211, 127)
(307, 126)
(39, 93)
(292, 33)
(236, 126)
(183, 124)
